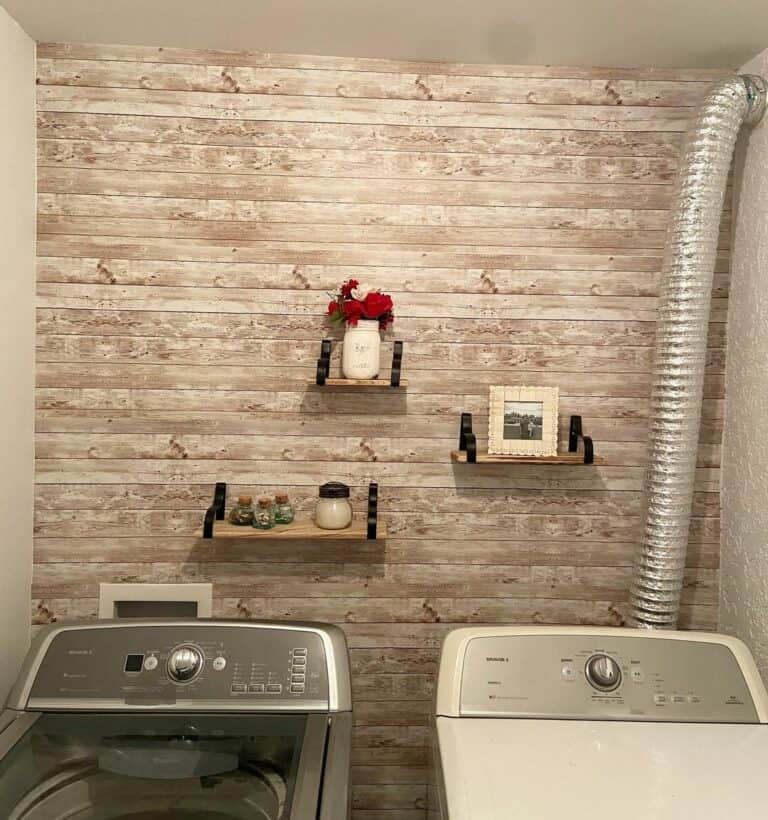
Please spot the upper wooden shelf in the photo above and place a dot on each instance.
(323, 379)
(460, 456)
(299, 530)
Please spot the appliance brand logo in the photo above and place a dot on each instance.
(497, 660)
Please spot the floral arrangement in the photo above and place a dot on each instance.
(350, 304)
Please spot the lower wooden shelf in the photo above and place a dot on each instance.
(300, 530)
(460, 456)
(368, 528)
(362, 383)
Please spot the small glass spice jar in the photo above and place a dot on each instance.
(242, 513)
(264, 517)
(333, 512)
(283, 509)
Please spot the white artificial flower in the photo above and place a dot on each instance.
(360, 295)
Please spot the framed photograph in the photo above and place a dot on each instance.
(522, 421)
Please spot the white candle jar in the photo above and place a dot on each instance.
(333, 511)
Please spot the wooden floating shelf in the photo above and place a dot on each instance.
(299, 530)
(361, 383)
(322, 377)
(491, 458)
(468, 454)
(362, 528)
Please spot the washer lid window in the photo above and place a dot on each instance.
(171, 765)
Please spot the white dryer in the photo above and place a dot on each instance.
(570, 723)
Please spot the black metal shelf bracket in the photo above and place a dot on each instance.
(373, 509)
(467, 438)
(397, 364)
(216, 510)
(324, 364)
(574, 435)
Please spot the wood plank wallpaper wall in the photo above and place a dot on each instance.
(195, 208)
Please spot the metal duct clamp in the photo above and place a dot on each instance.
(757, 92)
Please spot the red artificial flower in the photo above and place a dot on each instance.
(353, 311)
(376, 305)
(348, 287)
(333, 306)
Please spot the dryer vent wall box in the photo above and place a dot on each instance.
(180, 719)
(155, 600)
(649, 721)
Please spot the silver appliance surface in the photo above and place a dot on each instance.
(179, 719)
(194, 664)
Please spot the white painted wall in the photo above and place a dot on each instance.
(744, 575)
(17, 340)
(688, 33)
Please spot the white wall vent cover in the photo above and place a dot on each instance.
(155, 600)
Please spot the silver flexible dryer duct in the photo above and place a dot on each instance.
(681, 346)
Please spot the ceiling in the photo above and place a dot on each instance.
(664, 33)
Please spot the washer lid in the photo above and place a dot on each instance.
(109, 766)
(496, 769)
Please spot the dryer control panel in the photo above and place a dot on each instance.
(602, 677)
(190, 664)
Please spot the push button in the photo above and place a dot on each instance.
(239, 688)
(219, 663)
(678, 698)
(256, 688)
(301, 651)
(150, 663)
(659, 699)
(274, 688)
(297, 678)
(297, 688)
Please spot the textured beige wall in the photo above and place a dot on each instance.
(17, 328)
(744, 592)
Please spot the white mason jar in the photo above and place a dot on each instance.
(333, 512)
(361, 351)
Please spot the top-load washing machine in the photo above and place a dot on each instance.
(540, 723)
(223, 720)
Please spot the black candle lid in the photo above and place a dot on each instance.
(334, 489)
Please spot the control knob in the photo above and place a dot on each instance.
(185, 663)
(603, 673)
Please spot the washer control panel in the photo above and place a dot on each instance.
(210, 664)
(603, 677)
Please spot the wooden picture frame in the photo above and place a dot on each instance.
(523, 421)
